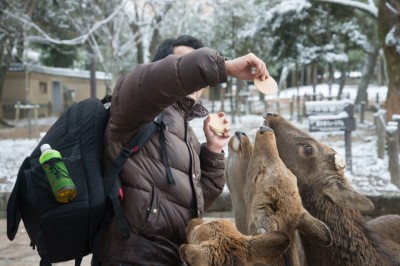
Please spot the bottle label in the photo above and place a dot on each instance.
(57, 174)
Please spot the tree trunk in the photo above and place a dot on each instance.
(93, 88)
(136, 31)
(139, 49)
(138, 42)
(330, 79)
(313, 67)
(386, 21)
(309, 74)
(156, 37)
(3, 72)
(155, 41)
(342, 80)
(5, 59)
(366, 74)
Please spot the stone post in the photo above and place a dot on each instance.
(393, 152)
(396, 118)
(291, 110)
(362, 112)
(380, 133)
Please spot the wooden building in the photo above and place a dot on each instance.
(49, 89)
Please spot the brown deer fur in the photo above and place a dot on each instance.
(219, 243)
(388, 228)
(264, 193)
(328, 195)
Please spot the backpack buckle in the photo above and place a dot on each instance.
(128, 151)
(160, 122)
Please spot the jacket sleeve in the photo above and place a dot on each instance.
(212, 175)
(142, 94)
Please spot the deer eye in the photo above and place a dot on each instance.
(308, 149)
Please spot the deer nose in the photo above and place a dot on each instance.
(238, 133)
(267, 114)
(264, 129)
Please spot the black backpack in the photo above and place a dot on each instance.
(67, 231)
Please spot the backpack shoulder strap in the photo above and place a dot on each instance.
(164, 153)
(111, 181)
(106, 99)
(134, 146)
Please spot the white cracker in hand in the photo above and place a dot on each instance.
(267, 86)
(217, 124)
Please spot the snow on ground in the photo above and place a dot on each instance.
(369, 174)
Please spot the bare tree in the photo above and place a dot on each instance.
(113, 33)
(12, 37)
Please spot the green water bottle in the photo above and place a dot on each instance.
(61, 183)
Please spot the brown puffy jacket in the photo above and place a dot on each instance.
(156, 212)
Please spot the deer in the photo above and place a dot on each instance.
(329, 196)
(264, 193)
(219, 243)
(387, 227)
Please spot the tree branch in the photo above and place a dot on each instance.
(78, 40)
(370, 8)
(392, 9)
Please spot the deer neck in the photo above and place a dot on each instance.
(352, 244)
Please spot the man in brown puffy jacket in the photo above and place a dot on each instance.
(157, 208)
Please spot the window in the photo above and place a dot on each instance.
(43, 88)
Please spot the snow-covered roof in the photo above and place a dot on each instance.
(66, 72)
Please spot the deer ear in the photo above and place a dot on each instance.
(194, 254)
(267, 247)
(348, 198)
(314, 229)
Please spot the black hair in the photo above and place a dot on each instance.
(166, 47)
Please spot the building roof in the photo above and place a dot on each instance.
(67, 72)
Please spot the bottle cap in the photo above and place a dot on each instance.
(45, 147)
